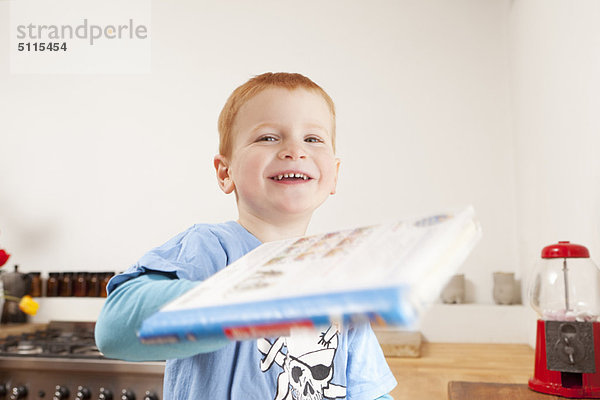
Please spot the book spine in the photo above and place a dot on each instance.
(386, 306)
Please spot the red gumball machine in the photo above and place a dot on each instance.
(565, 292)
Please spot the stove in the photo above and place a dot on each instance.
(62, 362)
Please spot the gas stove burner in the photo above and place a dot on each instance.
(28, 347)
(86, 349)
(64, 340)
(63, 358)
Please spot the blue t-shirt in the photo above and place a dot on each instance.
(330, 362)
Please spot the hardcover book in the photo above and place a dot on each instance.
(386, 273)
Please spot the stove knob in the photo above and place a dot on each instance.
(105, 394)
(18, 392)
(83, 393)
(150, 395)
(127, 395)
(61, 393)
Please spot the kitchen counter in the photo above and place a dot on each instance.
(17, 329)
(427, 377)
(495, 391)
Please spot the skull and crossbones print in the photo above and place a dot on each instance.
(306, 358)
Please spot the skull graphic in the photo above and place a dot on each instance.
(310, 374)
(307, 364)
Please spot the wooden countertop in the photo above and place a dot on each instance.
(17, 329)
(494, 391)
(427, 377)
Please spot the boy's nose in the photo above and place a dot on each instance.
(292, 151)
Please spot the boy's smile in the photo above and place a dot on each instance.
(290, 177)
(282, 164)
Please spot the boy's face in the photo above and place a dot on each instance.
(280, 132)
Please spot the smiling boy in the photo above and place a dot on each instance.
(278, 133)
(277, 141)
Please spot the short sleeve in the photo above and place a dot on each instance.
(194, 254)
(368, 375)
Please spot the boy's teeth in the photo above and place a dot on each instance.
(297, 175)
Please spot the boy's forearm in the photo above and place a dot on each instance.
(132, 302)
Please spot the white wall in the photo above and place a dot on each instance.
(555, 60)
(95, 170)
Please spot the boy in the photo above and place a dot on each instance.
(276, 153)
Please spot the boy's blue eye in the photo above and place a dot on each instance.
(267, 139)
(313, 139)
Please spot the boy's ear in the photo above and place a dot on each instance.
(222, 169)
(337, 170)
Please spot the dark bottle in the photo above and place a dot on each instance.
(66, 285)
(36, 284)
(94, 285)
(52, 285)
(80, 284)
(105, 278)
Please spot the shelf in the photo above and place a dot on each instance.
(456, 323)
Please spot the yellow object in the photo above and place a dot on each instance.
(28, 305)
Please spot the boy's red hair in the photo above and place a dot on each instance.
(253, 87)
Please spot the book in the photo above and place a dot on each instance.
(388, 274)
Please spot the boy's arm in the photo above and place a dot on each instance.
(132, 302)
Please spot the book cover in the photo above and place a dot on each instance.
(387, 273)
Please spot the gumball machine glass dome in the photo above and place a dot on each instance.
(565, 285)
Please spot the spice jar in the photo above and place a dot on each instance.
(94, 285)
(66, 284)
(52, 285)
(105, 278)
(80, 284)
(36, 284)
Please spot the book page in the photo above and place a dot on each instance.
(394, 254)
